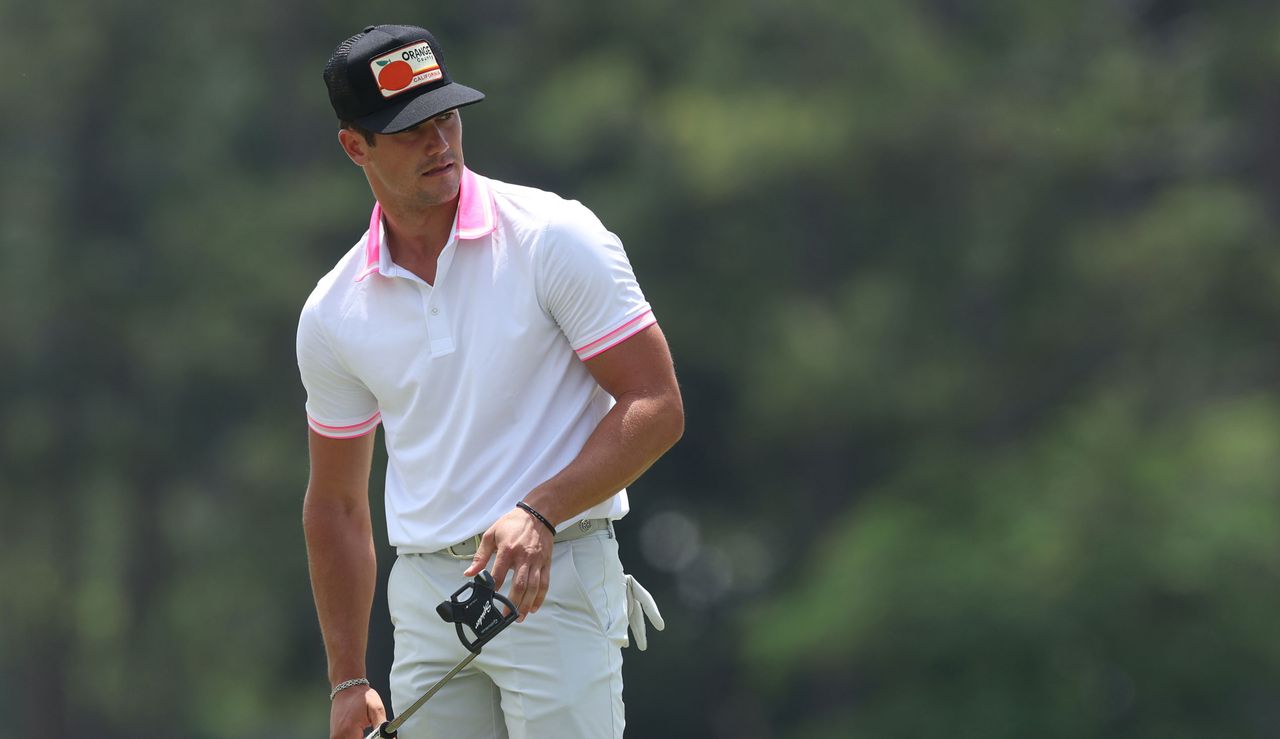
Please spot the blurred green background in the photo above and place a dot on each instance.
(974, 306)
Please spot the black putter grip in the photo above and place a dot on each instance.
(382, 730)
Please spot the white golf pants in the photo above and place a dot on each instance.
(557, 675)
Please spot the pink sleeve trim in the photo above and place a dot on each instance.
(591, 346)
(617, 336)
(345, 432)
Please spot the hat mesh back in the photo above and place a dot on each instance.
(335, 71)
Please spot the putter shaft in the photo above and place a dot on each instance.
(391, 727)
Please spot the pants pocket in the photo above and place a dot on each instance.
(599, 574)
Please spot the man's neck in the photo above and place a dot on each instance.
(415, 237)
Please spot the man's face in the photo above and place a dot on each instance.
(416, 168)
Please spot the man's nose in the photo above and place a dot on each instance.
(434, 139)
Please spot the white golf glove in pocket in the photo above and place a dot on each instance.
(639, 605)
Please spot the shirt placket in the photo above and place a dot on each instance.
(435, 307)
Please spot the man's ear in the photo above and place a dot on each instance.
(354, 145)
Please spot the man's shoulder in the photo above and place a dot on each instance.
(509, 192)
(334, 287)
(542, 210)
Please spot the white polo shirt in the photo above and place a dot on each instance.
(478, 380)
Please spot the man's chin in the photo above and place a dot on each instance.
(442, 193)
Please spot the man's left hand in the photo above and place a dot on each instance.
(523, 546)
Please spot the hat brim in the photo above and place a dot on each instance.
(418, 109)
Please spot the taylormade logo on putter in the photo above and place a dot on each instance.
(476, 610)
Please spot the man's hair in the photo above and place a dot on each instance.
(366, 133)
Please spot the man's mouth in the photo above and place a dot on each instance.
(436, 171)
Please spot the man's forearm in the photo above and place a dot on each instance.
(343, 569)
(630, 438)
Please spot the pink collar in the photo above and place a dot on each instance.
(476, 218)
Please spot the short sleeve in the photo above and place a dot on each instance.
(339, 406)
(586, 283)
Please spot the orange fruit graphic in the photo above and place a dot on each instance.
(395, 76)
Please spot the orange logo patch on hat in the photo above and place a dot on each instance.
(405, 68)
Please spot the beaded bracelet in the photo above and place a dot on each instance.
(529, 509)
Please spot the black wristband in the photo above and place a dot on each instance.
(529, 509)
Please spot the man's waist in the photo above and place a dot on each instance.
(466, 548)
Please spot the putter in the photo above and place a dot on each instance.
(471, 606)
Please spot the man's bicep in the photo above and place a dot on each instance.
(641, 365)
(340, 468)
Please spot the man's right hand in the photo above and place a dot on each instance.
(355, 710)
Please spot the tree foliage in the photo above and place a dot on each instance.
(972, 306)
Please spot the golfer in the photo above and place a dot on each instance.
(498, 334)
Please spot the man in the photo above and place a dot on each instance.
(498, 334)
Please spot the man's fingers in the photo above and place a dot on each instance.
(516, 545)
(376, 711)
(483, 553)
(501, 564)
(520, 591)
(535, 590)
(544, 584)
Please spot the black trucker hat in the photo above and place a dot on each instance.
(389, 78)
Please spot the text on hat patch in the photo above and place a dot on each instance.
(405, 68)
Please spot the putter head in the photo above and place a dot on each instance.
(472, 606)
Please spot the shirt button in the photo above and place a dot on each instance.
(435, 311)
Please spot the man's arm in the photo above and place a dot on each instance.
(646, 421)
(340, 554)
